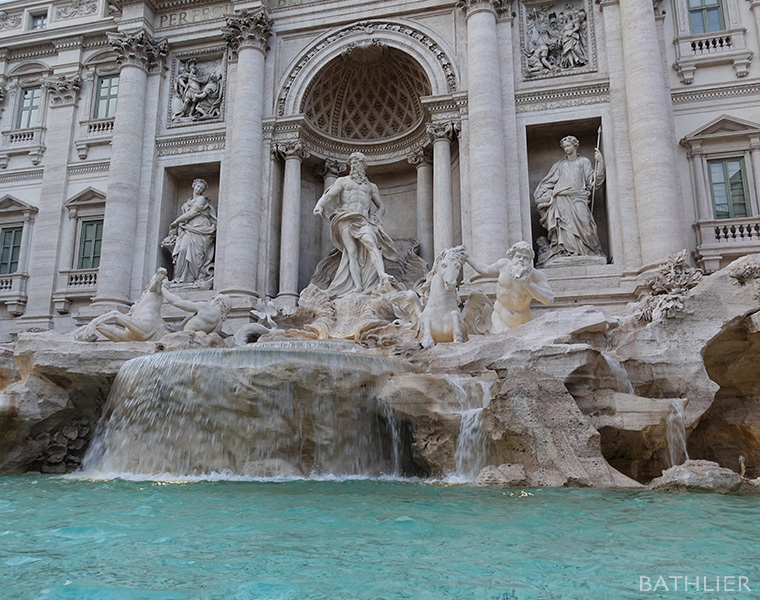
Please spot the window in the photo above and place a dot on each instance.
(728, 183)
(105, 98)
(10, 247)
(89, 244)
(29, 109)
(39, 21)
(705, 16)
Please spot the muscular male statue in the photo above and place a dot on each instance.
(356, 230)
(519, 283)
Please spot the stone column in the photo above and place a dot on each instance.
(754, 168)
(650, 121)
(755, 8)
(241, 211)
(488, 182)
(138, 56)
(443, 201)
(625, 244)
(63, 94)
(293, 153)
(424, 164)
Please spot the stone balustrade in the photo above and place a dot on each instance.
(723, 240)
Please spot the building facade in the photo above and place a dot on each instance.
(112, 110)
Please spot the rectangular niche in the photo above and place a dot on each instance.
(178, 189)
(544, 151)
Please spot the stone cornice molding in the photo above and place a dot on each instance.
(139, 50)
(120, 4)
(474, 6)
(68, 43)
(420, 157)
(444, 130)
(247, 30)
(290, 150)
(63, 90)
(330, 168)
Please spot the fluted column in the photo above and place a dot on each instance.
(650, 121)
(63, 94)
(138, 56)
(424, 165)
(488, 182)
(443, 201)
(241, 212)
(293, 153)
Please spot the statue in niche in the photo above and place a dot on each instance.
(206, 317)
(198, 95)
(556, 40)
(191, 239)
(142, 323)
(353, 207)
(562, 200)
(518, 284)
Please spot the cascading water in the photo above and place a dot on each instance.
(471, 449)
(622, 382)
(275, 409)
(675, 430)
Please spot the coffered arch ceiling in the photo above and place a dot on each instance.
(370, 92)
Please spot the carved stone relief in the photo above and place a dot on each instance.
(197, 91)
(556, 39)
(77, 8)
(9, 21)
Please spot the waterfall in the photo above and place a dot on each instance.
(619, 374)
(270, 410)
(676, 434)
(471, 449)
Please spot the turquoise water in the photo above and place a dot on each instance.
(64, 539)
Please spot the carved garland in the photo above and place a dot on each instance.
(367, 27)
(77, 8)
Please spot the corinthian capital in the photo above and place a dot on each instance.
(494, 6)
(447, 130)
(247, 30)
(330, 168)
(139, 50)
(63, 90)
(292, 149)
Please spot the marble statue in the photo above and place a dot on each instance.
(142, 323)
(206, 316)
(198, 94)
(518, 283)
(191, 239)
(440, 319)
(562, 200)
(353, 207)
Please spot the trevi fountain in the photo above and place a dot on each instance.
(392, 436)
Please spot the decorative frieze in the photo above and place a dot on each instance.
(139, 50)
(77, 8)
(9, 21)
(22, 175)
(63, 90)
(716, 93)
(197, 91)
(190, 144)
(563, 97)
(247, 30)
(93, 167)
(556, 38)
